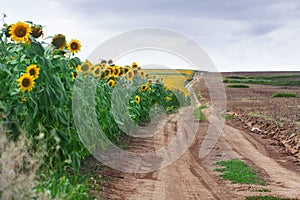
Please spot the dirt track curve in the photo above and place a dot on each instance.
(190, 177)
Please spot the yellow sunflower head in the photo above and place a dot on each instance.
(110, 71)
(97, 71)
(144, 87)
(59, 41)
(111, 83)
(78, 68)
(26, 82)
(134, 65)
(74, 46)
(33, 71)
(20, 32)
(116, 71)
(37, 31)
(168, 98)
(130, 75)
(74, 75)
(126, 69)
(86, 67)
(121, 71)
(137, 99)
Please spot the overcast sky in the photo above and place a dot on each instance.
(238, 35)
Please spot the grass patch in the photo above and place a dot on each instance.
(237, 171)
(265, 198)
(237, 77)
(199, 114)
(237, 86)
(229, 117)
(275, 76)
(284, 95)
(265, 80)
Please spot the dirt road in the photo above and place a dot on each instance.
(190, 177)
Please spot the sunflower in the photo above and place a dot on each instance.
(74, 75)
(150, 82)
(126, 69)
(36, 31)
(20, 32)
(121, 71)
(33, 71)
(144, 87)
(86, 67)
(137, 99)
(130, 75)
(26, 82)
(134, 65)
(78, 68)
(168, 98)
(74, 46)
(111, 83)
(110, 71)
(97, 71)
(7, 34)
(59, 41)
(116, 71)
(142, 74)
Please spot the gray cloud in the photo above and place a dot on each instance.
(234, 32)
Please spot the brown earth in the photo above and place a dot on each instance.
(254, 138)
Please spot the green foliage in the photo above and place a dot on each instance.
(43, 114)
(236, 77)
(44, 109)
(229, 117)
(284, 95)
(64, 186)
(238, 86)
(238, 172)
(199, 114)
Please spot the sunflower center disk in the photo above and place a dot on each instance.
(32, 72)
(25, 82)
(74, 46)
(21, 32)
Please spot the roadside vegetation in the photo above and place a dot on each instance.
(199, 114)
(41, 151)
(238, 171)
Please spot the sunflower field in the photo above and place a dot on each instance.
(38, 79)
